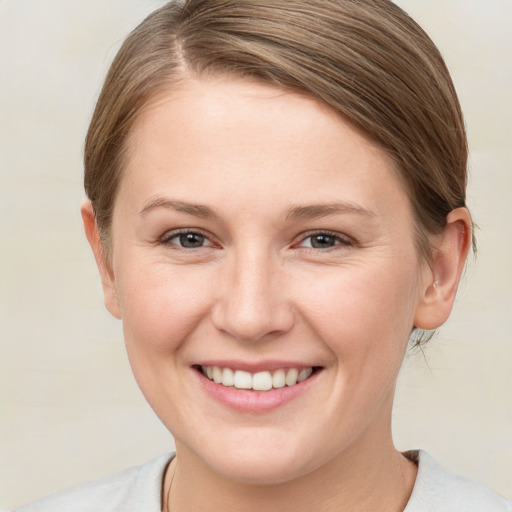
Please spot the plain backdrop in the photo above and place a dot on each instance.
(70, 409)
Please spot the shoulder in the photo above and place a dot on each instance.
(438, 490)
(136, 489)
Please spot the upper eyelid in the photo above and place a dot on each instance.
(335, 234)
(180, 231)
(171, 233)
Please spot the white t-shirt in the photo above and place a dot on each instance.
(139, 489)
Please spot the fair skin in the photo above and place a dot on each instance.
(255, 230)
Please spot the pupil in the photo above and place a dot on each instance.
(322, 241)
(191, 240)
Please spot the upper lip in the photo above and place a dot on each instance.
(254, 367)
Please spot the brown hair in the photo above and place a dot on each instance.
(367, 59)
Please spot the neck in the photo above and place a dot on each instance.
(377, 478)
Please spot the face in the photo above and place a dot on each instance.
(258, 238)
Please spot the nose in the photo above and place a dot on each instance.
(252, 303)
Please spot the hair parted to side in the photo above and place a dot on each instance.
(366, 59)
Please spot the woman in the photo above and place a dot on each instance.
(276, 205)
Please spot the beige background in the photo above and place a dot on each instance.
(70, 409)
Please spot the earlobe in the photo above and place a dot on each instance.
(106, 273)
(441, 282)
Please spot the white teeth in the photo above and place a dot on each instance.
(279, 379)
(260, 381)
(217, 375)
(243, 380)
(291, 377)
(304, 374)
(228, 377)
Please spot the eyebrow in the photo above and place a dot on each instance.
(311, 211)
(314, 211)
(197, 210)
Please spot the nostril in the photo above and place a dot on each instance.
(254, 325)
(250, 305)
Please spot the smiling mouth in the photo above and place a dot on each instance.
(259, 381)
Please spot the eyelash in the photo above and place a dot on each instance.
(169, 236)
(337, 238)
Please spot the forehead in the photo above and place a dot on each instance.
(226, 101)
(240, 137)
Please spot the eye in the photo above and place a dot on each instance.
(324, 240)
(187, 240)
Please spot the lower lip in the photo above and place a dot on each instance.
(246, 400)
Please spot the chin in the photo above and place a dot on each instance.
(260, 461)
(261, 468)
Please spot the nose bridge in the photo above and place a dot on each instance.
(253, 302)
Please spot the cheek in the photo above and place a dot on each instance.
(161, 305)
(363, 309)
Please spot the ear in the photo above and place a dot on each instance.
(106, 272)
(441, 281)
